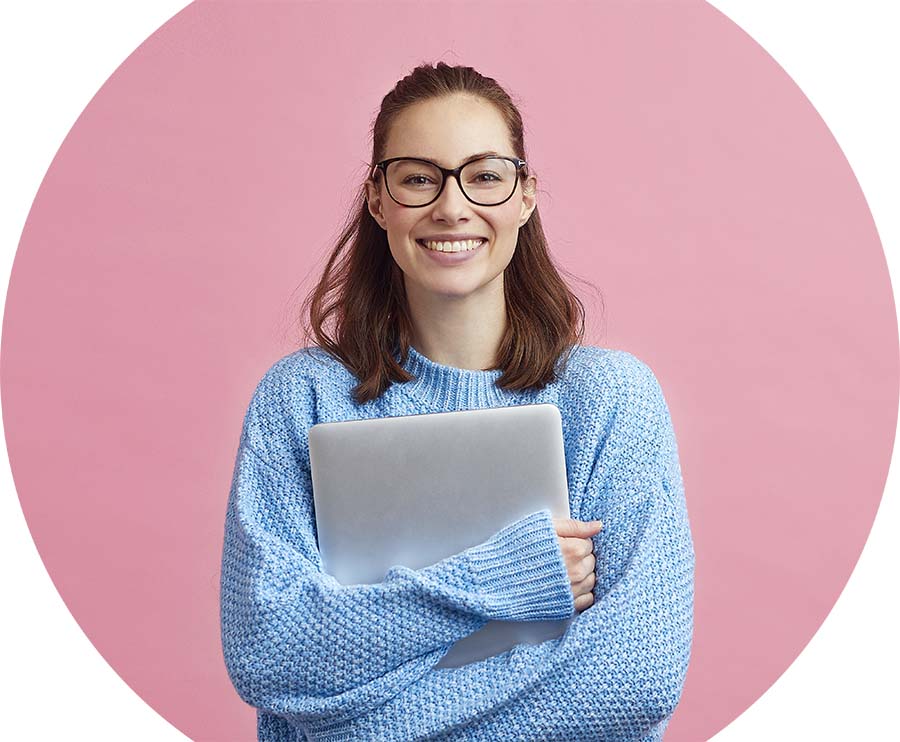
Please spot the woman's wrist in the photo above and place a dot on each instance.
(520, 572)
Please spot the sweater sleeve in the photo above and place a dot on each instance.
(621, 666)
(299, 645)
(618, 672)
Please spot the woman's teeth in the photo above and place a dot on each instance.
(451, 246)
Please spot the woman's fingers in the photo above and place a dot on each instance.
(579, 557)
(583, 602)
(571, 528)
(587, 584)
(584, 592)
(576, 548)
(586, 567)
(575, 541)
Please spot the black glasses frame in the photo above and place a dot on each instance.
(446, 174)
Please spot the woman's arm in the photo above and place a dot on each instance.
(299, 644)
(620, 668)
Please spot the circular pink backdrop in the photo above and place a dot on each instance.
(681, 171)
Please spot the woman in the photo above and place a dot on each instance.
(439, 296)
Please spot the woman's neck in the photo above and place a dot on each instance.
(464, 332)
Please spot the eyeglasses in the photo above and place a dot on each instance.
(487, 181)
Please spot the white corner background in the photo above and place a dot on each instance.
(56, 55)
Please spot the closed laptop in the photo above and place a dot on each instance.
(416, 489)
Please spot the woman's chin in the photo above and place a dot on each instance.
(454, 288)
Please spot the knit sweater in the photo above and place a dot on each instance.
(324, 661)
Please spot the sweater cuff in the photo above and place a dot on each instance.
(521, 574)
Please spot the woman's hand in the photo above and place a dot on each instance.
(578, 551)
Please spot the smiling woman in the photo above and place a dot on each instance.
(448, 165)
(445, 291)
(441, 296)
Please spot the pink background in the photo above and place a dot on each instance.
(682, 172)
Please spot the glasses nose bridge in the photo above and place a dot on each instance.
(446, 174)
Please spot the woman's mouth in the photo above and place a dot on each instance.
(448, 253)
(456, 246)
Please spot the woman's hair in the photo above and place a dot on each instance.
(358, 311)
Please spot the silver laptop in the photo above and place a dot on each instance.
(414, 490)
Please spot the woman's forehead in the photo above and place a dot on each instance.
(448, 130)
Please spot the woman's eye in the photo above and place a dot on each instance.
(486, 177)
(416, 180)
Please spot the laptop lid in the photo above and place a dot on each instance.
(416, 489)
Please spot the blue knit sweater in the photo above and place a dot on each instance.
(322, 661)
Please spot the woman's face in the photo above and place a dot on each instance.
(448, 131)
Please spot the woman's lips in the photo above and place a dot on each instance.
(451, 258)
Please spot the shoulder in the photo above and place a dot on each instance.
(285, 401)
(615, 400)
(300, 372)
(612, 375)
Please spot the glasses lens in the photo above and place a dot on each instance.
(413, 183)
(488, 181)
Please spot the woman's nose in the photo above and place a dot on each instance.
(452, 203)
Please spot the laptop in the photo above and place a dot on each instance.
(416, 489)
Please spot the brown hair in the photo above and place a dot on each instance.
(361, 293)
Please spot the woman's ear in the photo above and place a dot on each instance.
(529, 199)
(373, 201)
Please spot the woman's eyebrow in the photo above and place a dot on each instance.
(476, 156)
(481, 154)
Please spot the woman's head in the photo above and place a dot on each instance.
(360, 310)
(479, 213)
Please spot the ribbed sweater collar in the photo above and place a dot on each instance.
(451, 388)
